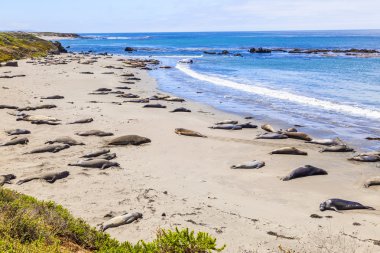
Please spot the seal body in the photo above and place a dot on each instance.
(186, 132)
(341, 204)
(304, 171)
(129, 140)
(120, 220)
(249, 165)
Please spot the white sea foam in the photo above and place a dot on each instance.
(283, 95)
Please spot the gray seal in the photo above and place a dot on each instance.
(129, 140)
(304, 171)
(340, 204)
(249, 165)
(120, 220)
(49, 177)
(96, 163)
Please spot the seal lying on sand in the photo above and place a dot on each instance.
(129, 140)
(268, 128)
(181, 109)
(186, 132)
(49, 177)
(82, 121)
(288, 151)
(340, 204)
(96, 153)
(304, 171)
(17, 131)
(94, 133)
(65, 140)
(49, 149)
(120, 220)
(337, 148)
(6, 179)
(274, 136)
(154, 106)
(372, 181)
(53, 97)
(96, 163)
(227, 127)
(249, 165)
(16, 141)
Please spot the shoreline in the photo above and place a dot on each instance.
(238, 207)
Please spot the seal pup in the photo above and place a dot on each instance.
(372, 181)
(48, 149)
(304, 171)
(298, 135)
(268, 128)
(6, 179)
(249, 165)
(65, 140)
(94, 133)
(154, 106)
(227, 127)
(337, 148)
(326, 142)
(288, 151)
(227, 122)
(16, 141)
(53, 97)
(96, 153)
(120, 220)
(340, 204)
(95, 163)
(82, 121)
(274, 136)
(49, 177)
(17, 131)
(181, 109)
(129, 140)
(186, 132)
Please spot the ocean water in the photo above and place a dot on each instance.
(329, 96)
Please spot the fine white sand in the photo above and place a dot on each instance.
(180, 181)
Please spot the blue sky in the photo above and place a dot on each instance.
(188, 15)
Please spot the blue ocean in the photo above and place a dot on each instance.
(331, 96)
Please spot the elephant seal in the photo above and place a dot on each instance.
(49, 149)
(6, 179)
(249, 165)
(96, 153)
(49, 177)
(227, 122)
(94, 133)
(154, 106)
(65, 140)
(337, 148)
(326, 142)
(227, 127)
(16, 141)
(17, 131)
(38, 107)
(372, 181)
(186, 132)
(304, 171)
(129, 140)
(298, 135)
(181, 109)
(53, 97)
(274, 136)
(288, 151)
(365, 158)
(12, 107)
(120, 220)
(82, 121)
(95, 163)
(340, 204)
(268, 128)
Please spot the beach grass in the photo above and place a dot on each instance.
(30, 225)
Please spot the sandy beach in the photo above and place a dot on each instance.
(180, 181)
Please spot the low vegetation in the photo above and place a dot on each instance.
(18, 45)
(29, 225)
